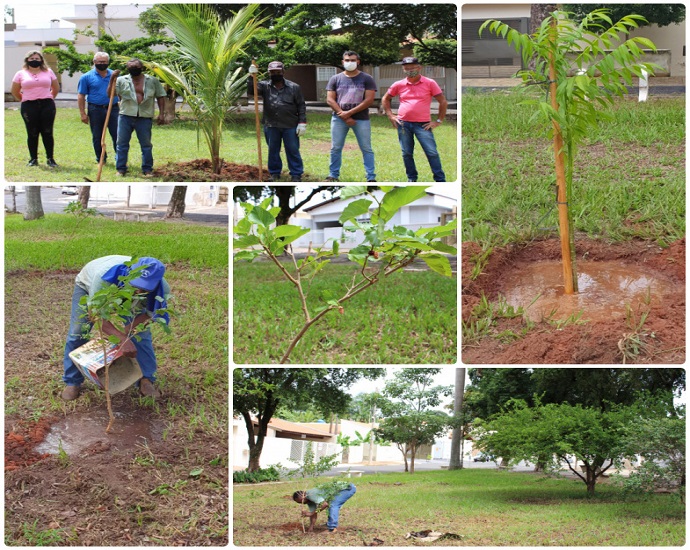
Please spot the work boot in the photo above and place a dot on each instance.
(147, 389)
(70, 393)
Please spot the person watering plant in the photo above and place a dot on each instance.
(315, 499)
(153, 291)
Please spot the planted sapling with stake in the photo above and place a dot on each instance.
(580, 66)
(112, 312)
(382, 253)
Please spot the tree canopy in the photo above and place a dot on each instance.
(660, 14)
(284, 193)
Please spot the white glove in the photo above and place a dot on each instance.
(253, 69)
(301, 129)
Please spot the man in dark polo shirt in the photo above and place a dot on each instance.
(284, 119)
(93, 88)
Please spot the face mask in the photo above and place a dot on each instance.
(135, 72)
(277, 78)
(101, 66)
(350, 65)
(412, 74)
(34, 63)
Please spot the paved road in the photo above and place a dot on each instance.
(54, 202)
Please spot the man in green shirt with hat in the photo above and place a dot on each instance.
(316, 501)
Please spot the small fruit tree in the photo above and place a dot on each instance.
(382, 253)
(582, 66)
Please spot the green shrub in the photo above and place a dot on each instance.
(264, 474)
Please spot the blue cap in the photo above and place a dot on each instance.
(149, 277)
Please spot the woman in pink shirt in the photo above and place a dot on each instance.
(36, 87)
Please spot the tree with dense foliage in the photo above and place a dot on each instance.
(206, 72)
(659, 14)
(409, 419)
(553, 434)
(257, 393)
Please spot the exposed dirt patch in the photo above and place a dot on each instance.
(20, 440)
(595, 342)
(201, 170)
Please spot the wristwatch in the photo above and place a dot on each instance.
(439, 121)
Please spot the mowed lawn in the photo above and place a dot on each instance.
(629, 175)
(180, 142)
(484, 507)
(411, 317)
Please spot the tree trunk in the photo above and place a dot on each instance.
(170, 105)
(458, 431)
(413, 451)
(13, 193)
(100, 21)
(177, 202)
(34, 206)
(591, 480)
(537, 14)
(84, 196)
(403, 450)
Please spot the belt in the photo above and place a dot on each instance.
(35, 100)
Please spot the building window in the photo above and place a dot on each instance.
(325, 73)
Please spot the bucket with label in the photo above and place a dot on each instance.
(122, 372)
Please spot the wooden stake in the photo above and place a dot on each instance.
(569, 280)
(258, 122)
(111, 97)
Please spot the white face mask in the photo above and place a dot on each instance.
(350, 65)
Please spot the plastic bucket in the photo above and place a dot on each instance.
(123, 371)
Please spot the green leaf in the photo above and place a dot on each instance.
(260, 216)
(438, 263)
(248, 255)
(352, 191)
(243, 227)
(245, 241)
(399, 197)
(287, 230)
(336, 247)
(289, 239)
(266, 203)
(354, 209)
(443, 247)
(196, 472)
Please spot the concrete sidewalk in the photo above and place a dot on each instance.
(213, 215)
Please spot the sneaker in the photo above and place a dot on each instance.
(331, 178)
(332, 531)
(147, 175)
(274, 177)
(120, 174)
(371, 181)
(296, 178)
(51, 163)
(147, 389)
(70, 393)
(33, 162)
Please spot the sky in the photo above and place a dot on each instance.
(38, 15)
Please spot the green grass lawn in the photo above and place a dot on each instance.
(485, 507)
(410, 319)
(629, 177)
(180, 142)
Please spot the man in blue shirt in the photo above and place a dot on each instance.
(93, 87)
(316, 501)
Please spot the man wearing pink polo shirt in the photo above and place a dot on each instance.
(414, 116)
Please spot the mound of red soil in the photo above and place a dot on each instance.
(21, 440)
(594, 342)
(201, 170)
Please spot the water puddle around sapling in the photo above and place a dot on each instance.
(604, 289)
(79, 431)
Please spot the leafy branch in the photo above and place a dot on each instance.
(382, 253)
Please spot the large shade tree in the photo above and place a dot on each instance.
(208, 74)
(257, 393)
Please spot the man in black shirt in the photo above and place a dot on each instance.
(284, 119)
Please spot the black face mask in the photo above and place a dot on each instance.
(101, 66)
(277, 78)
(135, 72)
(34, 63)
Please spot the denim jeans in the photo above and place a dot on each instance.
(337, 503)
(146, 357)
(406, 134)
(288, 136)
(97, 121)
(39, 117)
(142, 126)
(362, 131)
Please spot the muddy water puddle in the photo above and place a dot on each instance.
(79, 431)
(604, 289)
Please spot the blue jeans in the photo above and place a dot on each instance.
(362, 132)
(406, 134)
(142, 127)
(288, 136)
(337, 503)
(146, 357)
(97, 121)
